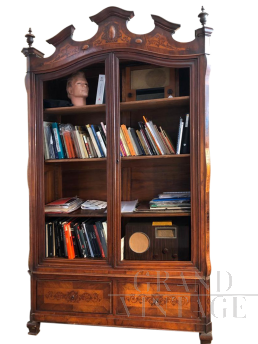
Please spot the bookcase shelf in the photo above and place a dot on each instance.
(128, 158)
(150, 246)
(124, 106)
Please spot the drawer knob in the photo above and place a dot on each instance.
(165, 250)
(174, 255)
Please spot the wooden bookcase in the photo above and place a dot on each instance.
(167, 294)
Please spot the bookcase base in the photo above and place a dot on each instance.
(205, 338)
(33, 327)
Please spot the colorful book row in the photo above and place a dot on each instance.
(76, 238)
(65, 141)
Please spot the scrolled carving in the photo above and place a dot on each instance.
(73, 296)
(156, 299)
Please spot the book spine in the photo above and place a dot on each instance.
(145, 138)
(102, 143)
(185, 146)
(69, 241)
(122, 149)
(169, 142)
(50, 240)
(133, 142)
(139, 134)
(63, 141)
(59, 147)
(46, 238)
(162, 143)
(84, 149)
(104, 128)
(97, 141)
(50, 143)
(100, 89)
(88, 239)
(103, 135)
(54, 141)
(102, 236)
(124, 142)
(180, 133)
(87, 145)
(127, 139)
(99, 242)
(137, 142)
(93, 140)
(46, 151)
(151, 142)
(153, 136)
(80, 149)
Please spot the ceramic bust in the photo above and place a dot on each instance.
(77, 88)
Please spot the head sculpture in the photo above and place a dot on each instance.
(77, 88)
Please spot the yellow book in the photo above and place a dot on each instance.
(128, 141)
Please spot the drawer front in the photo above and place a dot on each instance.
(74, 296)
(164, 300)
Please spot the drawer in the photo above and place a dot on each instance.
(163, 300)
(74, 296)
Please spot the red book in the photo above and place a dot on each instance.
(69, 241)
(99, 242)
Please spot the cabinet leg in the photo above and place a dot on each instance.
(33, 327)
(205, 338)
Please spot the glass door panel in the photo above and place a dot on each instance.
(155, 166)
(75, 168)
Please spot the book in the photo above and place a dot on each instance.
(153, 136)
(98, 241)
(100, 89)
(58, 142)
(94, 205)
(127, 140)
(185, 145)
(69, 240)
(100, 230)
(93, 140)
(179, 137)
(63, 205)
(49, 141)
(94, 131)
(88, 238)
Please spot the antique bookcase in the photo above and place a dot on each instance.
(168, 293)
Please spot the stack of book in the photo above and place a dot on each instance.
(147, 140)
(172, 202)
(65, 141)
(76, 238)
(64, 205)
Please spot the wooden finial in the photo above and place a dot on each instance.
(30, 49)
(30, 37)
(203, 16)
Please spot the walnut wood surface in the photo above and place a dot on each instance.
(115, 179)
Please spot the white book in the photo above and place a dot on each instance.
(157, 138)
(180, 134)
(122, 248)
(104, 224)
(101, 89)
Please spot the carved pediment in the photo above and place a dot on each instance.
(113, 34)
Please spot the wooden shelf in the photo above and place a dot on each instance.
(154, 214)
(138, 157)
(154, 104)
(124, 106)
(80, 213)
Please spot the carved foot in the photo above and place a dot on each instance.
(205, 338)
(33, 327)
